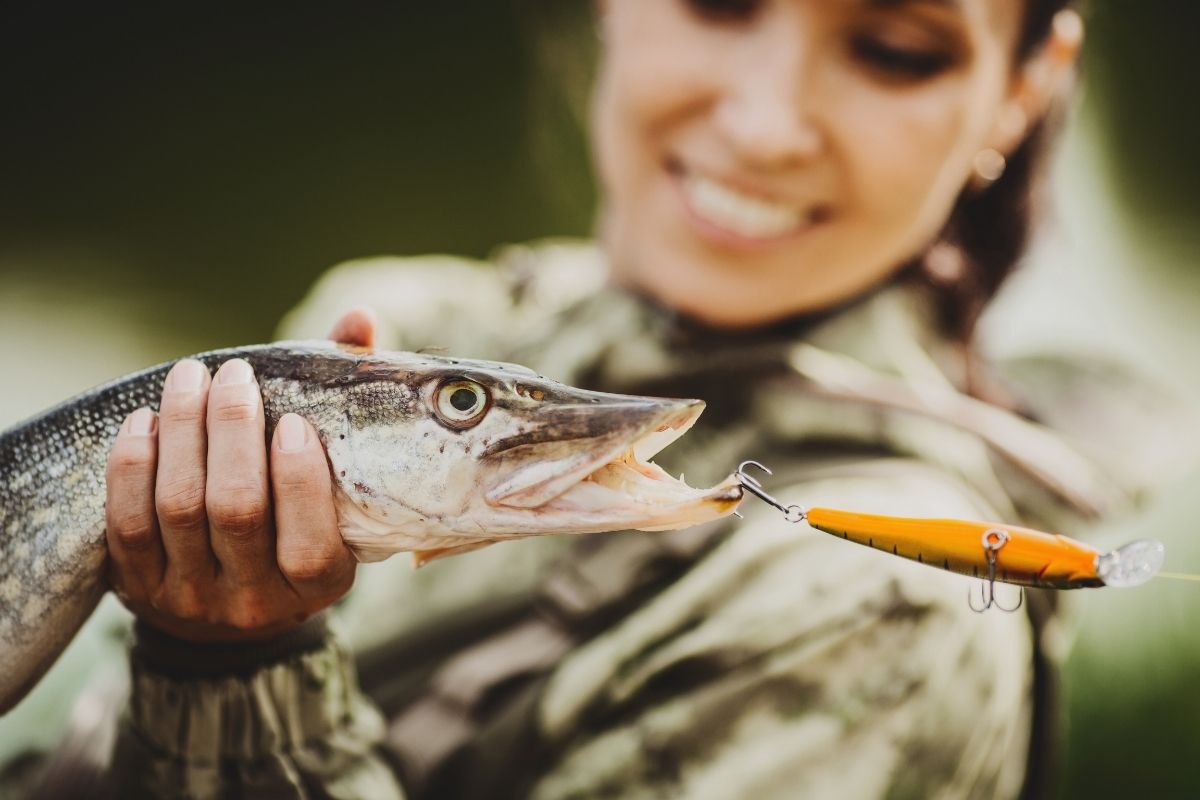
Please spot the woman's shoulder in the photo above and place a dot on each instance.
(1135, 424)
(463, 305)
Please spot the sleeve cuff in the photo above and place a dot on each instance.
(179, 659)
(291, 699)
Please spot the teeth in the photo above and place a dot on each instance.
(737, 212)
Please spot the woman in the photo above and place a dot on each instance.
(801, 199)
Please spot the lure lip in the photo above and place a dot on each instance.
(1131, 564)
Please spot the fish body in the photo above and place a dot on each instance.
(428, 454)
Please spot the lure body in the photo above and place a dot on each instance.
(992, 551)
(1023, 556)
(1029, 557)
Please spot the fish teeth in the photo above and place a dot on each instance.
(739, 213)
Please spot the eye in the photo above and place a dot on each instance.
(460, 403)
(900, 62)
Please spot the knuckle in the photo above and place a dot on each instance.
(239, 512)
(135, 530)
(301, 481)
(181, 412)
(239, 405)
(180, 502)
(248, 612)
(183, 601)
(129, 459)
(314, 564)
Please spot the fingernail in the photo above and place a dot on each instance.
(293, 433)
(186, 376)
(141, 422)
(235, 371)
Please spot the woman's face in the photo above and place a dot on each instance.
(763, 158)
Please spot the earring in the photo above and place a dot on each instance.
(988, 165)
(945, 264)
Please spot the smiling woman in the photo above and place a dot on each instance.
(801, 201)
(796, 154)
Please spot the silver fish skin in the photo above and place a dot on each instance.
(417, 465)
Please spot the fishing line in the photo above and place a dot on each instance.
(1179, 576)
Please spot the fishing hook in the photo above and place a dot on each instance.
(993, 539)
(791, 513)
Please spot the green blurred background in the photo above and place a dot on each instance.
(173, 178)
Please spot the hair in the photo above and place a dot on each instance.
(991, 228)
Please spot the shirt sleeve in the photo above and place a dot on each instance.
(280, 719)
(452, 304)
(790, 663)
(420, 302)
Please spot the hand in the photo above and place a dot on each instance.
(211, 536)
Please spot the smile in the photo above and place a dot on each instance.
(732, 217)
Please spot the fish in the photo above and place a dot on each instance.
(428, 454)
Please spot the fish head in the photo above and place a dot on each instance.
(439, 456)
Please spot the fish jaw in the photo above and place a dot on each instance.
(629, 493)
(574, 441)
(609, 483)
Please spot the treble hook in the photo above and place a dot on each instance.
(993, 539)
(791, 513)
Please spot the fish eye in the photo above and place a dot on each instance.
(460, 403)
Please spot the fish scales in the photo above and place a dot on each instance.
(397, 464)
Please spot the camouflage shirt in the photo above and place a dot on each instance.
(754, 658)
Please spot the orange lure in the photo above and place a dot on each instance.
(1023, 556)
(988, 550)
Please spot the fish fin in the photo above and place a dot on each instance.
(423, 557)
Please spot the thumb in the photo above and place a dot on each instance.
(356, 327)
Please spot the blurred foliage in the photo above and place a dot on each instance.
(1142, 77)
(233, 157)
(1132, 705)
(191, 170)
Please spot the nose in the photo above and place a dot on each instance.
(764, 113)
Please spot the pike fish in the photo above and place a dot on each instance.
(431, 455)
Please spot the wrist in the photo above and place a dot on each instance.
(185, 659)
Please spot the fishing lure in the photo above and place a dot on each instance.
(987, 550)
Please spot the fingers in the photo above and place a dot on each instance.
(237, 499)
(357, 327)
(134, 544)
(182, 465)
(191, 527)
(309, 547)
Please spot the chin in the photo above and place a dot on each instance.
(715, 286)
(726, 304)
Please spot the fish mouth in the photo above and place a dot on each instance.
(610, 480)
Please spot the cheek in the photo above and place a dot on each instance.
(907, 172)
(908, 155)
(655, 79)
